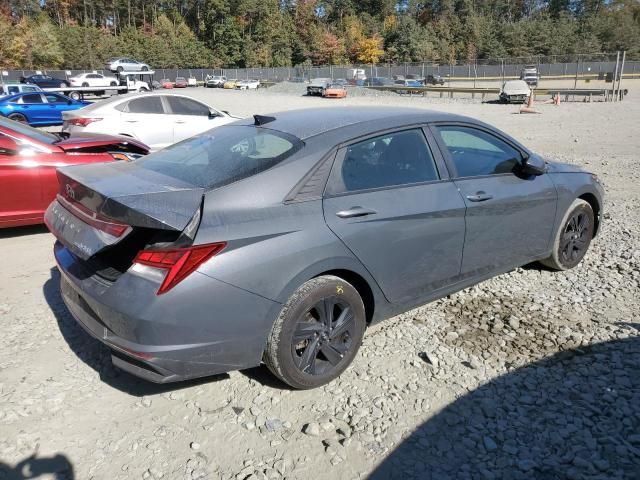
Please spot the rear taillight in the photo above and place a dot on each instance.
(94, 219)
(82, 121)
(177, 262)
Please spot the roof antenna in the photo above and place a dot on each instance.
(262, 119)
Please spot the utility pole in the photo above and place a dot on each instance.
(624, 54)
(615, 76)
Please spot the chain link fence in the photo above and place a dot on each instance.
(560, 66)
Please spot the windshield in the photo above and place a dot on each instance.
(223, 155)
(21, 128)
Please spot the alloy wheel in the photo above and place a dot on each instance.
(575, 238)
(323, 336)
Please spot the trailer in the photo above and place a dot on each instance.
(128, 83)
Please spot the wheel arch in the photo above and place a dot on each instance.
(592, 200)
(360, 284)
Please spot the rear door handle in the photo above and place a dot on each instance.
(355, 212)
(479, 197)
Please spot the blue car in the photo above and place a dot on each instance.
(38, 108)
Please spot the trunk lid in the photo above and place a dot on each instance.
(92, 142)
(102, 205)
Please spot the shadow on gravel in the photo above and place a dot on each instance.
(22, 231)
(575, 415)
(58, 467)
(98, 356)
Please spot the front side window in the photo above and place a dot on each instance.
(52, 98)
(186, 106)
(398, 158)
(146, 105)
(475, 152)
(223, 155)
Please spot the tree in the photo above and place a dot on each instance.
(370, 49)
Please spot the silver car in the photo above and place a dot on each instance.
(126, 64)
(281, 238)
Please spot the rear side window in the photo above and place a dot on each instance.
(145, 105)
(223, 155)
(475, 152)
(33, 98)
(186, 106)
(398, 158)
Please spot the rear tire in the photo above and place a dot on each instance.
(18, 117)
(85, 84)
(113, 84)
(75, 96)
(308, 348)
(573, 237)
(120, 69)
(145, 69)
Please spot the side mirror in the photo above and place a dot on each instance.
(8, 146)
(213, 114)
(533, 164)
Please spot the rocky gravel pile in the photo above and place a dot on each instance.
(532, 374)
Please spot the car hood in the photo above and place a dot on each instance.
(559, 167)
(516, 90)
(86, 141)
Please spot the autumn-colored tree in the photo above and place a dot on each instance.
(370, 49)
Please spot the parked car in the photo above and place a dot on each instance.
(530, 75)
(514, 91)
(297, 79)
(156, 119)
(215, 81)
(378, 82)
(230, 84)
(283, 237)
(13, 88)
(28, 162)
(318, 86)
(122, 64)
(180, 82)
(166, 83)
(38, 108)
(92, 80)
(335, 91)
(434, 79)
(247, 84)
(192, 82)
(45, 81)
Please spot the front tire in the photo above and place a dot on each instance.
(573, 237)
(75, 96)
(318, 333)
(145, 69)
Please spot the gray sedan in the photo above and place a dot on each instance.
(279, 239)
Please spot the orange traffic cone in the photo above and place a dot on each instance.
(529, 107)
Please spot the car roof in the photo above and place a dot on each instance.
(315, 121)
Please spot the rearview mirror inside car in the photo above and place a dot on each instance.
(8, 146)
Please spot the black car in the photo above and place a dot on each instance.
(434, 80)
(378, 82)
(45, 81)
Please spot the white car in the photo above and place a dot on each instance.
(92, 80)
(157, 119)
(247, 84)
(515, 91)
(122, 64)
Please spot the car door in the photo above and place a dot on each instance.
(56, 105)
(398, 213)
(31, 106)
(189, 117)
(510, 215)
(144, 118)
(20, 193)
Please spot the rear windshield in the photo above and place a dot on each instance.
(223, 155)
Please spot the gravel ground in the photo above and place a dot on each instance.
(533, 374)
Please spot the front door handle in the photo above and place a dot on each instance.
(355, 212)
(479, 197)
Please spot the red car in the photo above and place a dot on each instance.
(181, 82)
(28, 162)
